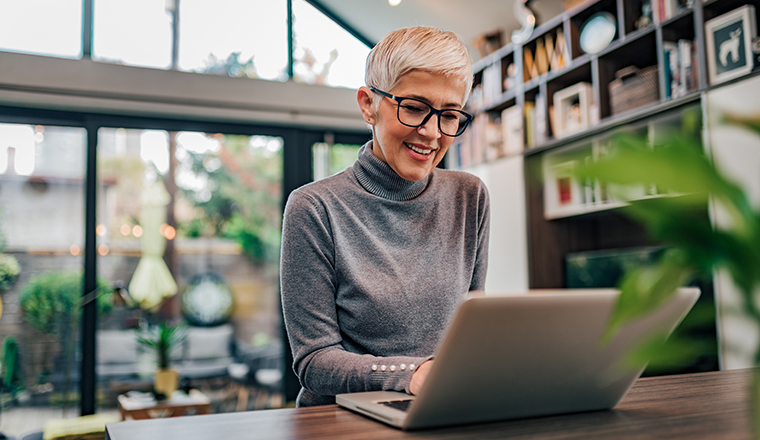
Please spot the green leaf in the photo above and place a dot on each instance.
(662, 354)
(645, 289)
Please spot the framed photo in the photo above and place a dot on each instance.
(729, 44)
(562, 192)
(572, 109)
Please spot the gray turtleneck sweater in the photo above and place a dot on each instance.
(372, 269)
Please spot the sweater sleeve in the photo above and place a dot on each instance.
(308, 288)
(484, 225)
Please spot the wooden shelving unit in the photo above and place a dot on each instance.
(565, 217)
(639, 47)
(503, 81)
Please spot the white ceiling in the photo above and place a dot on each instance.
(468, 18)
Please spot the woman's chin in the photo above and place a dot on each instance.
(413, 173)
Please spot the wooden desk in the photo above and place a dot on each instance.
(711, 406)
(178, 405)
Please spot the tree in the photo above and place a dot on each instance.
(241, 198)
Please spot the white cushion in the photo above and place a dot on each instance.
(117, 347)
(208, 342)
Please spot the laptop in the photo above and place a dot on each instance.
(517, 356)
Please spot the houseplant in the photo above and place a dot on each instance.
(688, 180)
(163, 340)
(9, 270)
(51, 301)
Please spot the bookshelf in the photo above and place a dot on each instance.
(522, 93)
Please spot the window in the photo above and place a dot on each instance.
(219, 236)
(240, 38)
(330, 159)
(44, 27)
(42, 172)
(324, 52)
(137, 32)
(234, 37)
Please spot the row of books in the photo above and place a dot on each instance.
(494, 135)
(490, 136)
(490, 86)
(680, 67)
(664, 9)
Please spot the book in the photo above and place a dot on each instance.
(513, 136)
(685, 54)
(670, 57)
(542, 63)
(493, 138)
(479, 141)
(527, 64)
(656, 11)
(530, 112)
(539, 120)
(560, 55)
(549, 45)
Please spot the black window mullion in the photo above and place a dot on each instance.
(88, 381)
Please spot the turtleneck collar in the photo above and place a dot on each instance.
(378, 178)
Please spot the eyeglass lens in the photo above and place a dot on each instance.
(415, 113)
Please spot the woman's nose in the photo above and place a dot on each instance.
(430, 128)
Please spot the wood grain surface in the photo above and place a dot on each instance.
(711, 405)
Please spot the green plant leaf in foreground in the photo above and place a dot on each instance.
(662, 354)
(678, 219)
(645, 289)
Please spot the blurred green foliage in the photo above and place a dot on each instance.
(9, 270)
(48, 300)
(687, 179)
(245, 185)
(9, 267)
(162, 339)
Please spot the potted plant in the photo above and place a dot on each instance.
(162, 340)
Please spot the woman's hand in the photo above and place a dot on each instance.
(419, 376)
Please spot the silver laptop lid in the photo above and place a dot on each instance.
(513, 356)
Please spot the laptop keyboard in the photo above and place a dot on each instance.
(402, 405)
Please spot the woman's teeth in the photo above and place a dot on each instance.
(418, 150)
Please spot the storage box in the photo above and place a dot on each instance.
(634, 88)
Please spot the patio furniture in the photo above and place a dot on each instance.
(140, 406)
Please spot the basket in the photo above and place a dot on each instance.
(634, 88)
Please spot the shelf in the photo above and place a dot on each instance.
(677, 16)
(574, 211)
(617, 121)
(564, 195)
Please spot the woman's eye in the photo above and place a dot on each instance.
(450, 116)
(413, 108)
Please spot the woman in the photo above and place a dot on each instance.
(376, 259)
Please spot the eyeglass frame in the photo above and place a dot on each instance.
(433, 111)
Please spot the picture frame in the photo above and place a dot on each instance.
(572, 109)
(729, 44)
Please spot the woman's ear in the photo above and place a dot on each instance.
(364, 98)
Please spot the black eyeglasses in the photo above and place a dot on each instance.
(415, 113)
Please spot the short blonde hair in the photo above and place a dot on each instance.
(418, 48)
